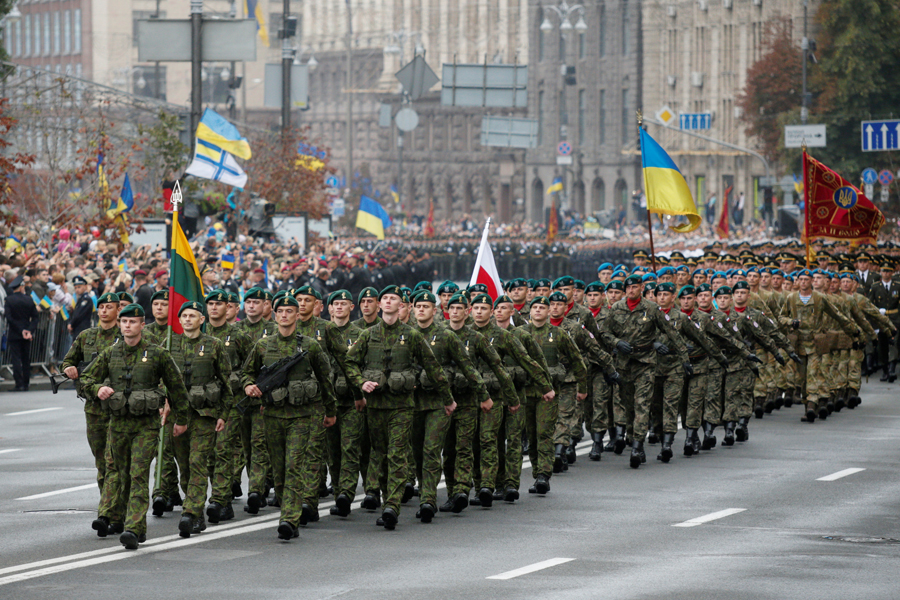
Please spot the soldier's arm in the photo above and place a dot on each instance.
(591, 350)
(336, 346)
(727, 331)
(425, 356)
(874, 314)
(843, 322)
(568, 349)
(464, 364)
(76, 353)
(319, 363)
(753, 328)
(175, 390)
(223, 374)
(529, 356)
(252, 364)
(608, 332)
(493, 360)
(355, 356)
(93, 377)
(665, 325)
(590, 325)
(859, 318)
(691, 331)
(770, 328)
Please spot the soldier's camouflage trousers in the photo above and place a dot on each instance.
(509, 471)
(667, 390)
(854, 369)
(255, 451)
(348, 450)
(97, 432)
(712, 410)
(566, 420)
(221, 467)
(132, 444)
(486, 447)
(637, 393)
(738, 388)
(540, 422)
(194, 449)
(389, 433)
(429, 431)
(296, 451)
(695, 396)
(810, 378)
(168, 484)
(596, 406)
(459, 456)
(768, 371)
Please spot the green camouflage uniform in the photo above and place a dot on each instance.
(206, 369)
(155, 333)
(254, 452)
(597, 407)
(568, 424)
(85, 348)
(294, 419)
(362, 324)
(739, 377)
(134, 373)
(735, 353)
(389, 355)
(562, 357)
(167, 486)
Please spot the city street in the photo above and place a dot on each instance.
(800, 511)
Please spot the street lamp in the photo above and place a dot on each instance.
(312, 63)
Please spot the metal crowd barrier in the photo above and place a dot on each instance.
(49, 345)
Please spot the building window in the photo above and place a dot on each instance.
(581, 44)
(27, 27)
(76, 29)
(57, 41)
(538, 21)
(67, 32)
(626, 118)
(581, 117)
(602, 129)
(626, 28)
(540, 117)
(37, 35)
(46, 34)
(602, 30)
(19, 38)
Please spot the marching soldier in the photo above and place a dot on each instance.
(885, 295)
(156, 331)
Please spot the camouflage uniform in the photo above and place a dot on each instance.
(254, 453)
(388, 355)
(739, 377)
(713, 404)
(134, 374)
(206, 369)
(85, 348)
(167, 486)
(156, 333)
(294, 420)
(877, 320)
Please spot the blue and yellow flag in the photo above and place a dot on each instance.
(64, 313)
(35, 298)
(372, 217)
(395, 194)
(102, 183)
(46, 302)
(228, 261)
(255, 11)
(126, 200)
(311, 157)
(123, 264)
(216, 130)
(556, 186)
(667, 191)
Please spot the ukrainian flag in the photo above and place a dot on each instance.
(46, 302)
(123, 264)
(253, 9)
(557, 186)
(126, 200)
(667, 191)
(216, 130)
(395, 194)
(228, 261)
(64, 313)
(35, 299)
(372, 217)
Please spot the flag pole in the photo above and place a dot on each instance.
(640, 121)
(806, 207)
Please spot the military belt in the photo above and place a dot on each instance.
(643, 348)
(892, 311)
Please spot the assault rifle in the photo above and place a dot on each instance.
(82, 367)
(274, 376)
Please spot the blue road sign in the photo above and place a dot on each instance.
(885, 177)
(880, 136)
(695, 120)
(870, 176)
(564, 149)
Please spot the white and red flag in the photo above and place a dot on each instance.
(485, 268)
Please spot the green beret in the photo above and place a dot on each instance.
(267, 295)
(123, 297)
(483, 299)
(109, 298)
(232, 297)
(541, 300)
(686, 290)
(304, 290)
(558, 297)
(633, 280)
(703, 287)
(741, 285)
(501, 299)
(254, 293)
(563, 281)
(424, 296)
(615, 284)
(191, 305)
(339, 295)
(448, 287)
(650, 286)
(542, 283)
(722, 291)
(367, 292)
(517, 283)
(666, 287)
(594, 286)
(160, 295)
(423, 285)
(477, 288)
(286, 300)
(391, 289)
(579, 284)
(217, 296)
(132, 310)
(458, 299)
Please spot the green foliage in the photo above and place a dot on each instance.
(165, 152)
(5, 70)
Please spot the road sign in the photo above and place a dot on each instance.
(333, 182)
(484, 85)
(885, 194)
(564, 160)
(885, 177)
(407, 119)
(564, 149)
(879, 136)
(870, 190)
(695, 120)
(417, 77)
(796, 135)
(299, 86)
(870, 176)
(507, 132)
(221, 40)
(338, 207)
(666, 115)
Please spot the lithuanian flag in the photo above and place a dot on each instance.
(184, 277)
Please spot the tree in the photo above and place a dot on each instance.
(11, 167)
(165, 155)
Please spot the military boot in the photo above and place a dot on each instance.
(541, 484)
(611, 444)
(174, 500)
(654, 435)
(370, 502)
(770, 404)
(426, 513)
(823, 411)
(884, 373)
(779, 398)
(571, 457)
(853, 398)
(666, 454)
(558, 461)
(342, 504)
(486, 496)
(811, 412)
(830, 403)
(758, 408)
(101, 526)
(619, 445)
(597, 447)
(460, 502)
(159, 506)
(892, 371)
(447, 506)
(709, 439)
(236, 491)
(227, 513)
(409, 490)
(695, 442)
(840, 399)
(199, 524)
(742, 433)
(287, 531)
(116, 528)
(129, 539)
(728, 440)
(638, 457)
(185, 526)
(689, 441)
(788, 397)
(254, 503)
(214, 512)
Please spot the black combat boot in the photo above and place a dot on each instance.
(689, 441)
(637, 454)
(788, 397)
(892, 371)
(742, 434)
(811, 412)
(823, 412)
(758, 406)
(486, 495)
(728, 440)
(853, 398)
(227, 513)
(185, 526)
(409, 491)
(655, 432)
(779, 398)
(389, 516)
(426, 513)
(159, 506)
(558, 461)
(214, 512)
(695, 442)
(129, 539)
(829, 403)
(460, 502)
(571, 457)
(286, 531)
(511, 494)
(666, 454)
(254, 502)
(620, 442)
(709, 439)
(101, 526)
(447, 506)
(597, 447)
(236, 491)
(541, 484)
(342, 504)
(565, 459)
(611, 444)
(770, 404)
(370, 502)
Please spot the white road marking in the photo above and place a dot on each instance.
(57, 492)
(840, 474)
(31, 412)
(710, 517)
(544, 564)
(8, 450)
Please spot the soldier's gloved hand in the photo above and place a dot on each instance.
(688, 368)
(723, 363)
(660, 348)
(624, 347)
(780, 359)
(612, 377)
(754, 359)
(755, 370)
(795, 324)
(796, 358)
(855, 345)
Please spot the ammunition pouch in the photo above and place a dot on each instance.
(823, 343)
(302, 392)
(376, 376)
(401, 382)
(143, 402)
(842, 341)
(204, 396)
(341, 386)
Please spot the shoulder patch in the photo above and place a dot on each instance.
(720, 326)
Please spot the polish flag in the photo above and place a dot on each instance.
(485, 268)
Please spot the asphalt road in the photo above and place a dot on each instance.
(752, 521)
